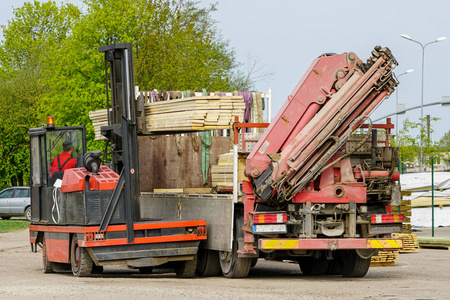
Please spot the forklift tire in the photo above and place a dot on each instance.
(311, 266)
(186, 269)
(353, 265)
(207, 263)
(47, 265)
(80, 260)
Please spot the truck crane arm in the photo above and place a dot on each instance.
(334, 97)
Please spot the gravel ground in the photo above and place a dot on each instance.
(420, 275)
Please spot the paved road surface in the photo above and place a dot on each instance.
(422, 275)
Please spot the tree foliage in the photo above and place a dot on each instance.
(444, 142)
(410, 146)
(49, 56)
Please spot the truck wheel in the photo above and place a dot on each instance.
(313, 266)
(207, 263)
(80, 260)
(186, 269)
(333, 267)
(47, 265)
(353, 265)
(233, 266)
(254, 262)
(27, 213)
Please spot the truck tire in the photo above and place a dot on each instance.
(333, 267)
(80, 260)
(186, 269)
(47, 266)
(353, 265)
(254, 262)
(207, 263)
(311, 266)
(231, 264)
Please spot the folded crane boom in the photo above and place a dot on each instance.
(334, 97)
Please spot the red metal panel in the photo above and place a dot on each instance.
(58, 250)
(336, 193)
(91, 240)
(73, 180)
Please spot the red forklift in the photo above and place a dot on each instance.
(90, 217)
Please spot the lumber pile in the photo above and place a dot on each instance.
(222, 173)
(405, 209)
(99, 118)
(194, 113)
(185, 114)
(434, 242)
(410, 242)
(385, 258)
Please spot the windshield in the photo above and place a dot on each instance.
(55, 140)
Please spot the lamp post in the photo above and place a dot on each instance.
(396, 101)
(439, 39)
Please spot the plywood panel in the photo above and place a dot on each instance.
(161, 167)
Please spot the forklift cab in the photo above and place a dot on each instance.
(45, 144)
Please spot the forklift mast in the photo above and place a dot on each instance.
(121, 130)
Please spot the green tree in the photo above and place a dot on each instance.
(35, 32)
(20, 94)
(410, 146)
(55, 63)
(444, 142)
(176, 46)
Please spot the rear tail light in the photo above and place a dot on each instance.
(269, 218)
(386, 218)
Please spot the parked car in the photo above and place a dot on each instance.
(15, 202)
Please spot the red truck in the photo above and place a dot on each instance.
(319, 180)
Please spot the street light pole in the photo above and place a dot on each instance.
(396, 101)
(439, 39)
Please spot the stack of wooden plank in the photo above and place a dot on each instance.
(99, 118)
(385, 258)
(194, 113)
(434, 242)
(405, 209)
(222, 173)
(410, 242)
(185, 114)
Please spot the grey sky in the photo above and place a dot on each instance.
(287, 35)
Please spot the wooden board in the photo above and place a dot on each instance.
(160, 166)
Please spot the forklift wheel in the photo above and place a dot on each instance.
(47, 265)
(80, 260)
(186, 269)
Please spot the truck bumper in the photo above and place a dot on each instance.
(329, 244)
